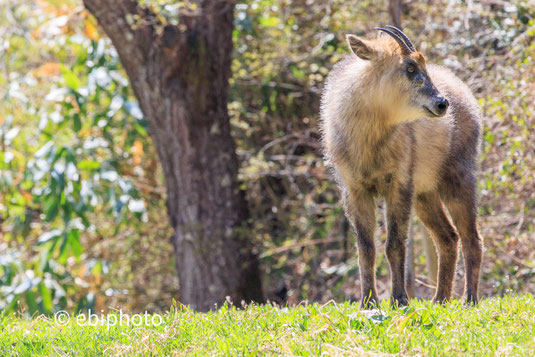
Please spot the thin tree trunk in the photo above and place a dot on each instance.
(431, 257)
(394, 9)
(180, 78)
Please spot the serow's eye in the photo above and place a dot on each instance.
(411, 69)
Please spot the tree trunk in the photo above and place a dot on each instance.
(431, 257)
(394, 9)
(180, 78)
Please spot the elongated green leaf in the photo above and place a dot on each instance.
(63, 251)
(46, 297)
(51, 207)
(71, 80)
(74, 242)
(77, 123)
(31, 302)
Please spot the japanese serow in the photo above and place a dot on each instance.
(397, 128)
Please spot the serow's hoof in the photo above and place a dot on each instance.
(399, 301)
(471, 300)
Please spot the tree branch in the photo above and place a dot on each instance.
(126, 24)
(131, 30)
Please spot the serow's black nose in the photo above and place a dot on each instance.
(441, 106)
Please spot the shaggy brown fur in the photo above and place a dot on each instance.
(388, 132)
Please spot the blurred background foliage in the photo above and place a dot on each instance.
(82, 199)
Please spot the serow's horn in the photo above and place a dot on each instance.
(405, 49)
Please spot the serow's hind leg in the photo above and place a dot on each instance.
(431, 212)
(464, 215)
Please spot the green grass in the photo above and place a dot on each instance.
(504, 326)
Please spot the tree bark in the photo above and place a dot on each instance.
(180, 78)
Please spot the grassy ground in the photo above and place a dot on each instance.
(503, 326)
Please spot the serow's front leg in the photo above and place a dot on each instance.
(398, 214)
(360, 210)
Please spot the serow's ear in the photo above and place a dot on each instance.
(360, 47)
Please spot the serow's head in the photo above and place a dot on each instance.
(401, 78)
